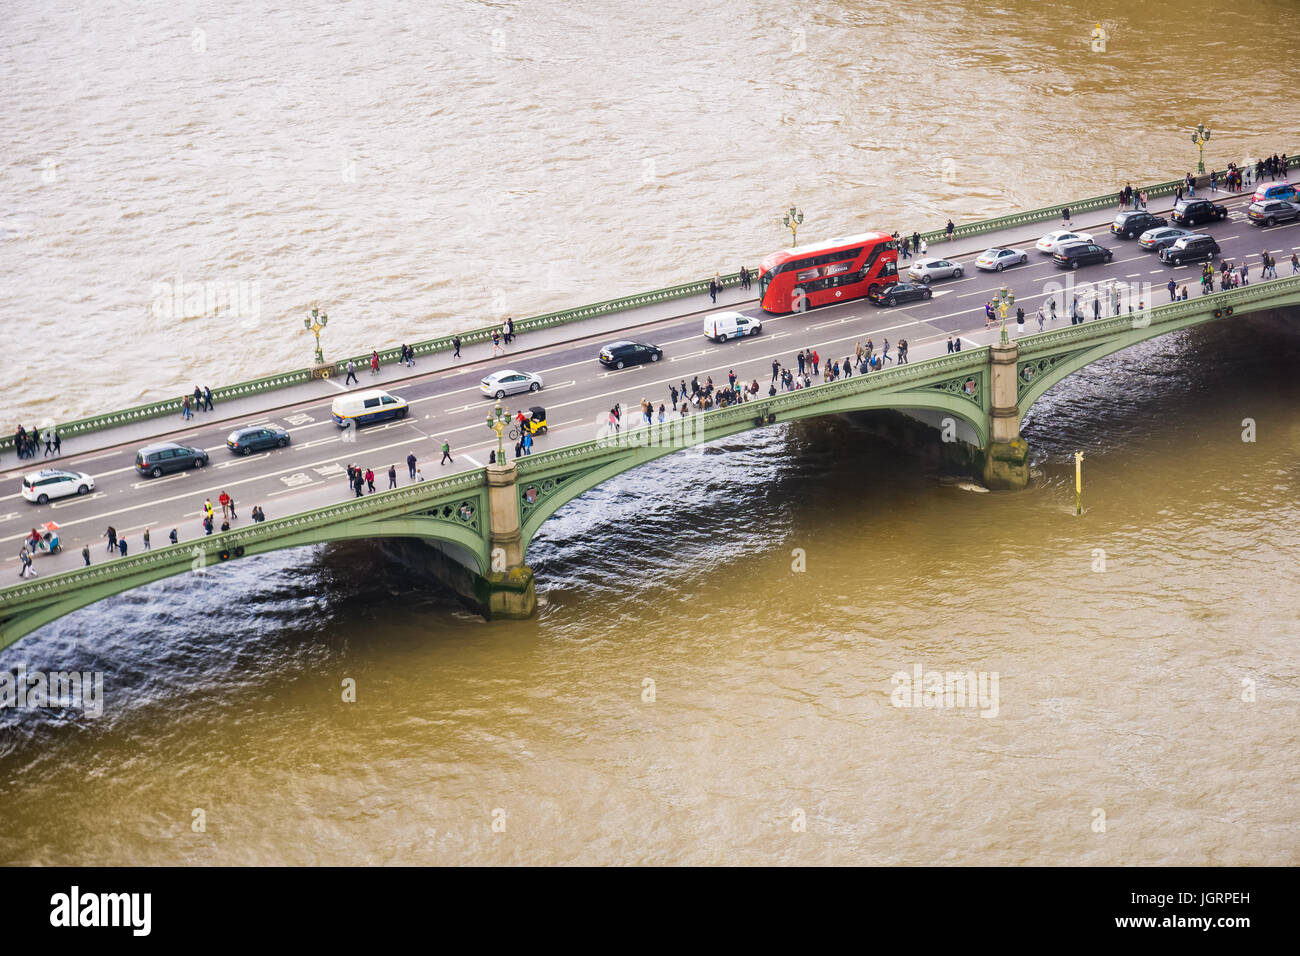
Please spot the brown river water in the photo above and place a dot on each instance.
(711, 676)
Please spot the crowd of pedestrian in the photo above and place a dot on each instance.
(200, 400)
(27, 442)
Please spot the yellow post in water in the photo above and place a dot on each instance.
(1078, 482)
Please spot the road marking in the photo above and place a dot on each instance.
(285, 491)
(476, 463)
(154, 482)
(72, 501)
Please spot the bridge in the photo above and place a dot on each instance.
(476, 522)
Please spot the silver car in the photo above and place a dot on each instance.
(927, 270)
(997, 259)
(509, 382)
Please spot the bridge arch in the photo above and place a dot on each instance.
(626, 456)
(202, 554)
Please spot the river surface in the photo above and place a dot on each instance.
(710, 676)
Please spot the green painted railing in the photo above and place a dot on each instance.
(387, 356)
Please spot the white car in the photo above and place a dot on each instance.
(41, 486)
(997, 259)
(509, 382)
(1062, 237)
(927, 270)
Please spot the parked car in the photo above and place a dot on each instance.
(1284, 191)
(157, 460)
(619, 354)
(245, 441)
(41, 486)
(1081, 254)
(1153, 240)
(1192, 212)
(721, 326)
(997, 259)
(366, 407)
(897, 292)
(1129, 224)
(509, 382)
(1061, 237)
(927, 270)
(1272, 211)
(1189, 249)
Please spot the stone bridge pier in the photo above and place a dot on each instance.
(508, 589)
(1006, 459)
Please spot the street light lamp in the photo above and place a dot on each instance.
(1200, 137)
(1006, 299)
(792, 219)
(497, 422)
(314, 323)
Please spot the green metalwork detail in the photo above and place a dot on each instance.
(1028, 371)
(969, 387)
(465, 512)
(428, 347)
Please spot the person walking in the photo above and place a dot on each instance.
(49, 444)
(85, 554)
(817, 361)
(207, 524)
(374, 362)
(358, 483)
(173, 537)
(949, 229)
(207, 399)
(224, 500)
(121, 545)
(496, 343)
(392, 477)
(1295, 263)
(1041, 318)
(1173, 290)
(950, 345)
(527, 440)
(25, 560)
(455, 346)
(147, 545)
(446, 453)
(111, 535)
(661, 413)
(186, 414)
(58, 443)
(352, 373)
(776, 369)
(1065, 216)
(713, 290)
(370, 480)
(410, 464)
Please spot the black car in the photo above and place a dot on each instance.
(245, 441)
(1081, 254)
(1192, 212)
(899, 292)
(619, 354)
(1130, 224)
(1189, 249)
(156, 460)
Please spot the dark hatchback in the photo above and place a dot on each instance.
(1081, 254)
(899, 292)
(156, 460)
(619, 354)
(245, 441)
(1192, 212)
(1130, 224)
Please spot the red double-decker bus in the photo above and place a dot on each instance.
(805, 277)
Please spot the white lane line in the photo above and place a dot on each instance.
(154, 482)
(470, 458)
(285, 491)
(331, 381)
(73, 501)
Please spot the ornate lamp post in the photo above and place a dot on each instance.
(793, 219)
(497, 422)
(1006, 299)
(314, 323)
(1200, 137)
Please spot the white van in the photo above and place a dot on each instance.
(363, 408)
(721, 326)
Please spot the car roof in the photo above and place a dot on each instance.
(159, 446)
(48, 473)
(1075, 245)
(930, 260)
(622, 343)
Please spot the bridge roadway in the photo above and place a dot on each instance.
(446, 403)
